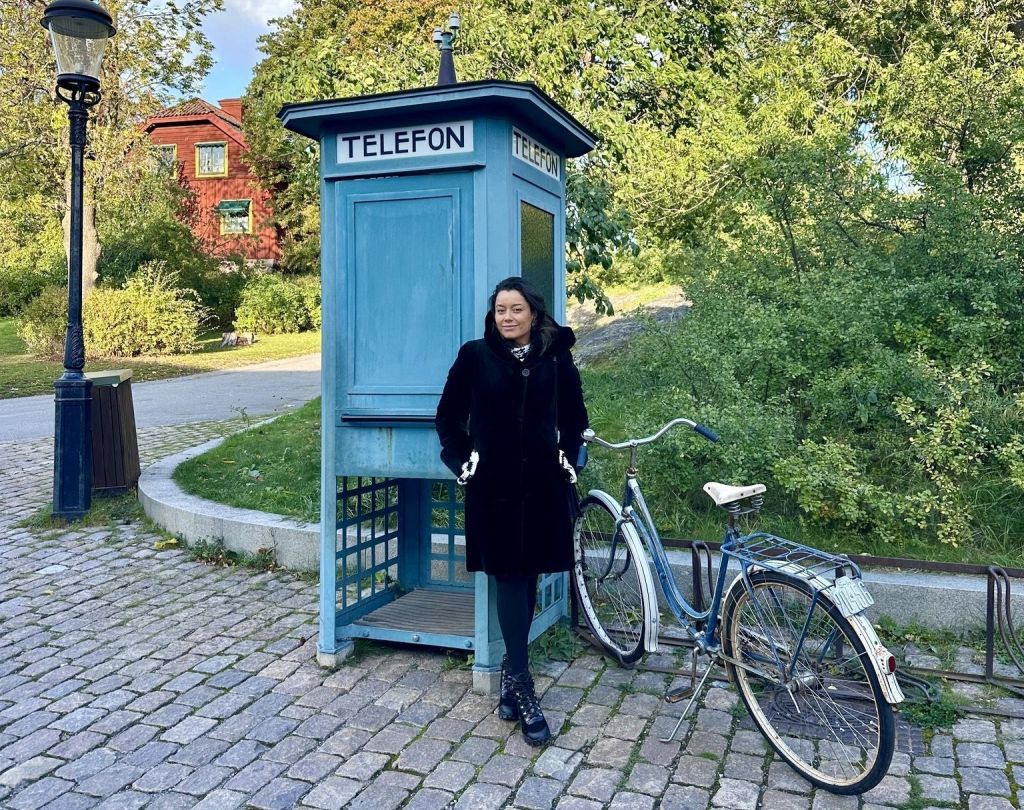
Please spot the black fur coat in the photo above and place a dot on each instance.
(517, 511)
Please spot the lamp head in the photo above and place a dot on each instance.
(79, 30)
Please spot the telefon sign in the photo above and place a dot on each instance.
(535, 153)
(406, 142)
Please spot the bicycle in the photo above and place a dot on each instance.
(809, 667)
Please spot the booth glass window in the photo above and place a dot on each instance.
(537, 249)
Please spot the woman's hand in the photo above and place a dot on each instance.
(469, 468)
(567, 468)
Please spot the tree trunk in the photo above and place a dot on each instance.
(90, 244)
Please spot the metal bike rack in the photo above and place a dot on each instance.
(999, 623)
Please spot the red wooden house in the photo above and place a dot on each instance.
(208, 143)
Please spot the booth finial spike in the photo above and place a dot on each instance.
(444, 40)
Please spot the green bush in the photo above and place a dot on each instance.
(220, 290)
(43, 321)
(272, 305)
(18, 286)
(153, 222)
(31, 251)
(310, 288)
(150, 315)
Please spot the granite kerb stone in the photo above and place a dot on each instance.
(938, 601)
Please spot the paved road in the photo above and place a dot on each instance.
(260, 389)
(135, 677)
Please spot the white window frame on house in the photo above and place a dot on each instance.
(199, 147)
(225, 219)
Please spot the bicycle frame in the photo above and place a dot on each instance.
(822, 571)
(684, 612)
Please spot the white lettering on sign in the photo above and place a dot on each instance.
(530, 151)
(406, 142)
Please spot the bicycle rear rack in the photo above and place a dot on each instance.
(778, 554)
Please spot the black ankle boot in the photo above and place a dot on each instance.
(507, 709)
(531, 718)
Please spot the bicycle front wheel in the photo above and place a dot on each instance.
(804, 676)
(611, 579)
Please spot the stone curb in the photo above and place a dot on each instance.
(296, 545)
(938, 601)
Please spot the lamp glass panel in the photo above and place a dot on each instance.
(76, 54)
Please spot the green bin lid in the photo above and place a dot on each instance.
(110, 377)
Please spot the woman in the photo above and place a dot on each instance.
(511, 415)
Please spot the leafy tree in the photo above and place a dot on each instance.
(610, 65)
(843, 217)
(159, 50)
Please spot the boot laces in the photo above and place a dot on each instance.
(526, 698)
(506, 679)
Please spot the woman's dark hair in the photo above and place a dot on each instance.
(544, 326)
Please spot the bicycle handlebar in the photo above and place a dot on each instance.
(706, 432)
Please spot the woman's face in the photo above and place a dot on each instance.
(513, 317)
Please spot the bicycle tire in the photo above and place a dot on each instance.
(851, 749)
(612, 588)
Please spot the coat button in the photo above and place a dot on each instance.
(526, 372)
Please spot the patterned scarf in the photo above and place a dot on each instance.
(520, 352)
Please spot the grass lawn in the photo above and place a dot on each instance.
(273, 467)
(276, 468)
(23, 374)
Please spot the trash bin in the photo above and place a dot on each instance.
(115, 445)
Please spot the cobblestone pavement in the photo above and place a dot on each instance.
(132, 677)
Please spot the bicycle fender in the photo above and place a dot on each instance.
(878, 656)
(648, 591)
(877, 653)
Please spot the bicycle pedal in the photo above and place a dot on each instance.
(678, 694)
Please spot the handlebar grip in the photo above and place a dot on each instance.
(581, 459)
(706, 432)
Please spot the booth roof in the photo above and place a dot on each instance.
(523, 98)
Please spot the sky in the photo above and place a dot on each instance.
(234, 32)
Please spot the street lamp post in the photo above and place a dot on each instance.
(79, 30)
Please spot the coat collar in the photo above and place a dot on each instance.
(564, 340)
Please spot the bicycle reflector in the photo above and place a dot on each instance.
(886, 659)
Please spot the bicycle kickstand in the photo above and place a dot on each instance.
(693, 692)
(683, 692)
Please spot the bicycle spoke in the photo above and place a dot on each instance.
(822, 713)
(608, 582)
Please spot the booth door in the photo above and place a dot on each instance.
(541, 226)
(406, 245)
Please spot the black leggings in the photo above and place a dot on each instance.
(516, 601)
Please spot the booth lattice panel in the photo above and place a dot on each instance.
(446, 560)
(550, 590)
(367, 544)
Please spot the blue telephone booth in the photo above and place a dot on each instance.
(429, 197)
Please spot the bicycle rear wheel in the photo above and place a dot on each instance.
(804, 676)
(611, 579)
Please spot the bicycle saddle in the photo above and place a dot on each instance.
(723, 494)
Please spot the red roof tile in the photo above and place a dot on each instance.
(196, 106)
